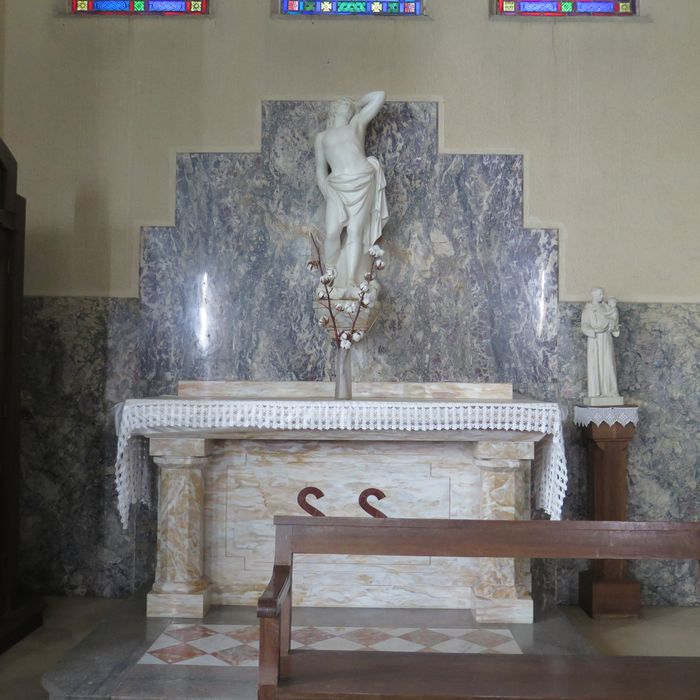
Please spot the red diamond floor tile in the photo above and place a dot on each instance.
(177, 653)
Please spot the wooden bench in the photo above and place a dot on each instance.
(375, 675)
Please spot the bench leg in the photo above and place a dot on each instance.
(269, 653)
(286, 625)
(267, 692)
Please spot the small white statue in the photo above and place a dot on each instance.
(600, 322)
(353, 189)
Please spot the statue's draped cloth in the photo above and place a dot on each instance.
(349, 194)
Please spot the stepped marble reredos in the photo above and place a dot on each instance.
(225, 292)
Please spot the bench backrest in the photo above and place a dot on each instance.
(485, 538)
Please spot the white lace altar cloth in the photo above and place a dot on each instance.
(624, 415)
(141, 416)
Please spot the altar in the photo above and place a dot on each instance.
(231, 455)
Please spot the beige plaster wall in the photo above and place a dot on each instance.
(606, 112)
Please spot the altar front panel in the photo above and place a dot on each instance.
(248, 482)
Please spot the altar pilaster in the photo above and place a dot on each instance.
(502, 593)
(180, 589)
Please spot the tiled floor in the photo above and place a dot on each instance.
(125, 631)
(107, 663)
(237, 645)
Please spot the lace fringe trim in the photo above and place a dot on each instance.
(139, 416)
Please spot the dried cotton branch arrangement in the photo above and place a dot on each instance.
(365, 299)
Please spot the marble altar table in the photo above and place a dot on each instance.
(233, 454)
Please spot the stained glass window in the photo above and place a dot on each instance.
(566, 8)
(140, 7)
(352, 7)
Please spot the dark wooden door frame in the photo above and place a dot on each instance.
(20, 613)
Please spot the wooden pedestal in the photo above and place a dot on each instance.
(608, 598)
(605, 590)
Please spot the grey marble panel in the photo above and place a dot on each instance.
(80, 357)
(468, 294)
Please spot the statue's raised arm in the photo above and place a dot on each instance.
(368, 107)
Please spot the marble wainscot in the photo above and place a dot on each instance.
(224, 473)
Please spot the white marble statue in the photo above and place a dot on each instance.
(353, 187)
(600, 324)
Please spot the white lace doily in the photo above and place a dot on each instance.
(138, 416)
(624, 415)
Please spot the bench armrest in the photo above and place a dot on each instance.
(270, 602)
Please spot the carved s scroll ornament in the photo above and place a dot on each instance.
(306, 506)
(374, 512)
(362, 500)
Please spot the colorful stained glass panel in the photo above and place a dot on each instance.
(566, 8)
(140, 7)
(352, 7)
